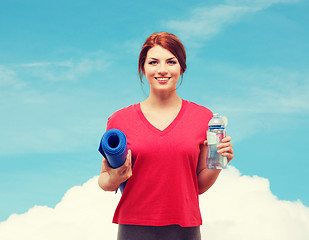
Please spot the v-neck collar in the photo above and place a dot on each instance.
(170, 126)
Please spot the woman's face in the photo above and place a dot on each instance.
(161, 69)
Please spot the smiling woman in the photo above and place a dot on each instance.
(167, 41)
(161, 69)
(166, 138)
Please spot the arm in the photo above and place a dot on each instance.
(111, 178)
(207, 177)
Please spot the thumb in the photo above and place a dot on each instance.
(128, 160)
(106, 164)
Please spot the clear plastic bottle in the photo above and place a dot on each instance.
(216, 132)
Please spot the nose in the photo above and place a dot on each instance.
(162, 70)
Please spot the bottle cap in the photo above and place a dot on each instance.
(217, 120)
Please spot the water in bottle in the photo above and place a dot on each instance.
(216, 132)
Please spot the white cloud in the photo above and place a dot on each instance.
(8, 78)
(65, 71)
(47, 64)
(268, 90)
(51, 122)
(243, 207)
(259, 4)
(236, 207)
(85, 212)
(41, 103)
(258, 99)
(206, 22)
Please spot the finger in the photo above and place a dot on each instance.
(227, 154)
(105, 163)
(222, 145)
(126, 168)
(129, 154)
(230, 157)
(226, 139)
(128, 160)
(127, 163)
(226, 150)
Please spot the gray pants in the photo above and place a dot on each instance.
(170, 232)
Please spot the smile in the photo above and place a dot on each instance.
(162, 78)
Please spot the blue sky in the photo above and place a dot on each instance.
(65, 66)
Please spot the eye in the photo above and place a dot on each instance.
(152, 62)
(171, 62)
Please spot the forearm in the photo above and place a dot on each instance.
(106, 183)
(206, 178)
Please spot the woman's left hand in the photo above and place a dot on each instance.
(226, 148)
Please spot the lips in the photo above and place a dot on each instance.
(162, 80)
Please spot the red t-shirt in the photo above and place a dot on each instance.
(163, 189)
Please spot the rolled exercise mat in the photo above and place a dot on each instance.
(113, 147)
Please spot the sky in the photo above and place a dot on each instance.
(66, 66)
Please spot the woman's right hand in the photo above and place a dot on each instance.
(110, 178)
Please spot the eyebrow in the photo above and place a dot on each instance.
(158, 59)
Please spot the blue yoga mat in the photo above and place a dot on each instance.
(113, 147)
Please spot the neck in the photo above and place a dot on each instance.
(163, 100)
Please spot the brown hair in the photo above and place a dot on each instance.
(168, 41)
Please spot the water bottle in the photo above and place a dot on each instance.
(216, 132)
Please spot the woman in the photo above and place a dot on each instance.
(166, 164)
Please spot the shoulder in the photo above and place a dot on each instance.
(122, 116)
(197, 117)
(198, 109)
(124, 112)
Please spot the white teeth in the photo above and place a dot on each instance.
(162, 79)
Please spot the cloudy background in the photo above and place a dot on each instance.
(66, 66)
